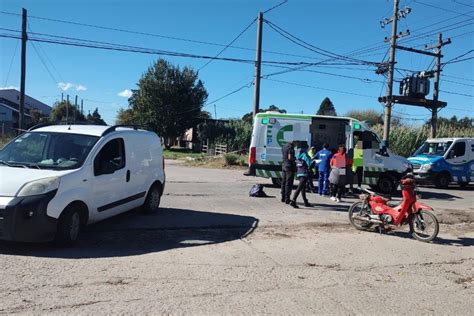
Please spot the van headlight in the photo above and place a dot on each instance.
(40, 186)
(426, 167)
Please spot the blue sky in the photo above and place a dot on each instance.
(340, 26)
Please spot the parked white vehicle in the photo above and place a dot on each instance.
(55, 179)
(272, 130)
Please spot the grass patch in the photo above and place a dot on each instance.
(228, 161)
(181, 154)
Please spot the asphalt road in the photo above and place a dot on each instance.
(212, 249)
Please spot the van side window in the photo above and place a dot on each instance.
(110, 158)
(458, 150)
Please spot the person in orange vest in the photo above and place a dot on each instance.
(337, 178)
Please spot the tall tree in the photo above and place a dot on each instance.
(168, 100)
(326, 108)
(372, 117)
(95, 118)
(249, 116)
(62, 111)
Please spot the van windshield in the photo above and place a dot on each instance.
(433, 148)
(44, 150)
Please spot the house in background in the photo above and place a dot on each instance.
(9, 110)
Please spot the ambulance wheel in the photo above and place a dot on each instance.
(442, 180)
(276, 182)
(69, 225)
(463, 185)
(153, 199)
(385, 185)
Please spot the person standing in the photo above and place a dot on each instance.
(358, 164)
(339, 162)
(288, 171)
(303, 163)
(312, 170)
(324, 156)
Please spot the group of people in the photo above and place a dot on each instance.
(334, 171)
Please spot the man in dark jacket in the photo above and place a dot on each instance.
(288, 171)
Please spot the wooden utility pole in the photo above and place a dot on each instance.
(82, 107)
(67, 108)
(258, 62)
(391, 68)
(24, 38)
(437, 74)
(74, 111)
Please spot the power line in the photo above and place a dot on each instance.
(275, 6)
(460, 83)
(227, 46)
(44, 63)
(459, 78)
(11, 63)
(153, 35)
(457, 93)
(321, 88)
(439, 8)
(464, 4)
(70, 41)
(318, 50)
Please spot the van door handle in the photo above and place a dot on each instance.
(128, 175)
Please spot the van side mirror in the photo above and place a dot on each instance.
(383, 149)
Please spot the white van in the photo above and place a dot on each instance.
(54, 179)
(271, 130)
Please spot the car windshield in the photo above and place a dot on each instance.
(44, 150)
(434, 148)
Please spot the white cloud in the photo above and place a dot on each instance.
(68, 85)
(127, 93)
(80, 87)
(9, 87)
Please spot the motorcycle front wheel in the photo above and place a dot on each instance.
(359, 209)
(424, 226)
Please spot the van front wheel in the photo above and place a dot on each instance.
(69, 225)
(153, 199)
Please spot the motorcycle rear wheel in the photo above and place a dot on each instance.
(424, 226)
(358, 209)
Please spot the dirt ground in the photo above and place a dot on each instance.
(212, 249)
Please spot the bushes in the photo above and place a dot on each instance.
(231, 159)
(404, 140)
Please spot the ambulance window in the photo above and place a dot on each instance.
(369, 140)
(458, 150)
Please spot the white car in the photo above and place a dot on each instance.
(55, 179)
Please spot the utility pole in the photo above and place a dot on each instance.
(82, 107)
(258, 62)
(24, 38)
(437, 75)
(215, 112)
(74, 111)
(62, 96)
(391, 68)
(67, 108)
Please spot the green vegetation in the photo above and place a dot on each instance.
(404, 140)
(168, 101)
(228, 161)
(181, 154)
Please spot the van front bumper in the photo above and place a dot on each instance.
(24, 219)
(425, 177)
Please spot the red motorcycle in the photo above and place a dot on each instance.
(374, 209)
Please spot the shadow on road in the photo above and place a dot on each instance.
(134, 233)
(461, 241)
(428, 195)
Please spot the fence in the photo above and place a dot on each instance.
(217, 149)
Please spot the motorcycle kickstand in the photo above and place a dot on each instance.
(381, 228)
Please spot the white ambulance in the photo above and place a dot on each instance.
(272, 130)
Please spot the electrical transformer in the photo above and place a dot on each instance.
(415, 86)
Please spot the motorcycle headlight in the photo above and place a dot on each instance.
(40, 186)
(426, 167)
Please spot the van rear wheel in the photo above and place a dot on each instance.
(386, 185)
(69, 225)
(153, 199)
